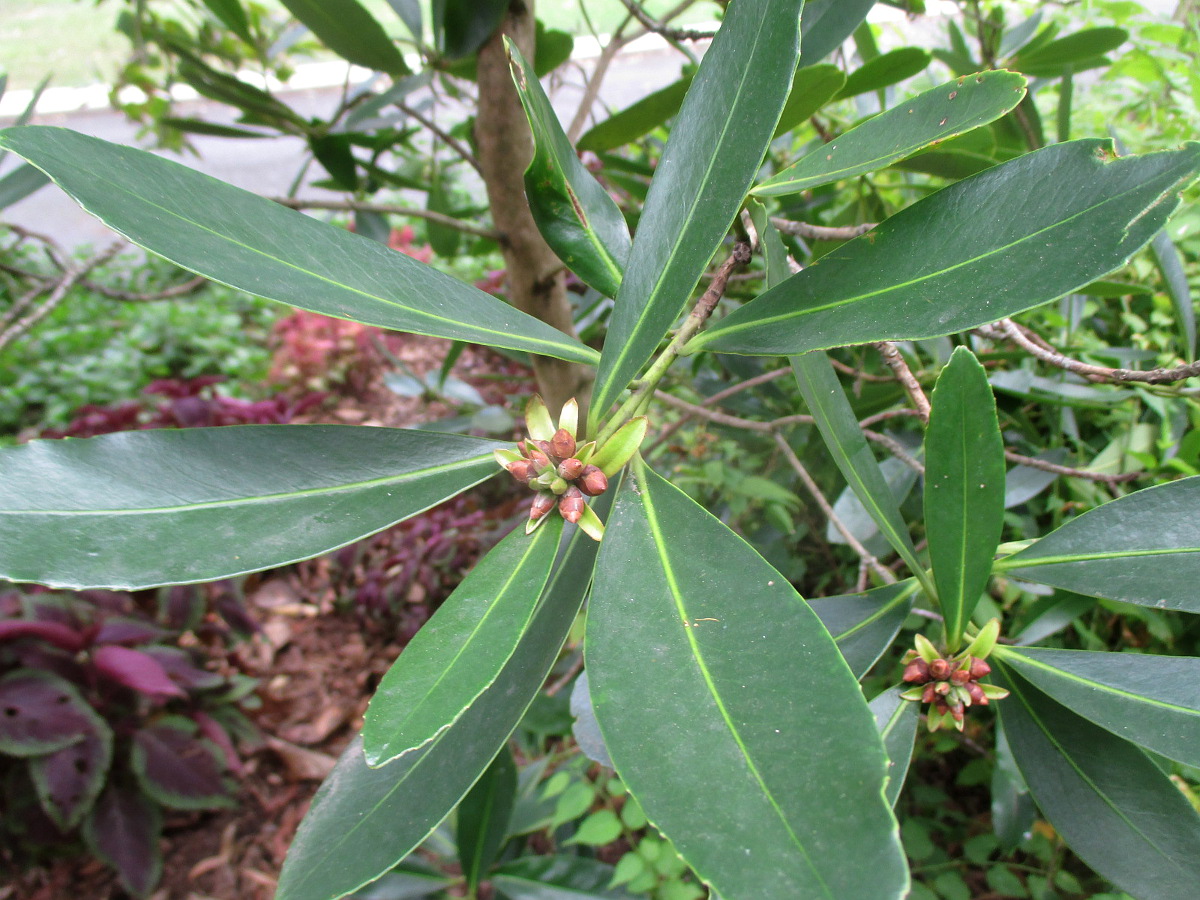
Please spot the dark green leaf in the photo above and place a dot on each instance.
(1143, 548)
(557, 878)
(574, 213)
(964, 489)
(482, 822)
(199, 126)
(812, 88)
(827, 23)
(442, 238)
(896, 719)
(1111, 804)
(346, 28)
(634, 121)
(1170, 266)
(363, 820)
(553, 48)
(20, 183)
(401, 884)
(255, 102)
(933, 116)
(465, 24)
(1057, 219)
(333, 152)
(864, 625)
(144, 508)
(232, 15)
(1150, 700)
(461, 651)
(884, 70)
(696, 644)
(714, 151)
(248, 242)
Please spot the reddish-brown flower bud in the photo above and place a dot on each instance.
(593, 482)
(545, 447)
(956, 710)
(539, 459)
(978, 697)
(542, 504)
(940, 669)
(979, 668)
(960, 676)
(571, 504)
(941, 687)
(917, 671)
(570, 469)
(562, 444)
(930, 693)
(522, 470)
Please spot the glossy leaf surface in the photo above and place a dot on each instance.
(714, 151)
(481, 825)
(897, 720)
(1150, 700)
(812, 88)
(1143, 548)
(575, 214)
(1111, 804)
(695, 643)
(864, 625)
(1057, 219)
(364, 820)
(827, 23)
(461, 651)
(346, 28)
(251, 243)
(145, 508)
(936, 115)
(885, 70)
(964, 488)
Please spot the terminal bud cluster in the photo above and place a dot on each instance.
(950, 684)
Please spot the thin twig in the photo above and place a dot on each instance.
(387, 209)
(168, 293)
(912, 387)
(672, 34)
(448, 139)
(895, 448)
(821, 232)
(559, 683)
(1035, 463)
(815, 492)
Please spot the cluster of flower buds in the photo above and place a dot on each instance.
(563, 471)
(950, 684)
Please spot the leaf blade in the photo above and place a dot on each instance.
(346, 28)
(248, 242)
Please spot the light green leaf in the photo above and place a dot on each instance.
(346, 28)
(936, 115)
(1055, 220)
(964, 489)
(1143, 548)
(1150, 700)
(248, 242)
(144, 508)
(574, 213)
(885, 70)
(897, 720)
(461, 651)
(481, 825)
(1082, 49)
(864, 625)
(827, 23)
(233, 16)
(812, 88)
(1111, 804)
(696, 644)
(363, 820)
(711, 158)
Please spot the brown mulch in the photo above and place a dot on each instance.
(317, 669)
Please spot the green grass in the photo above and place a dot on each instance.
(75, 41)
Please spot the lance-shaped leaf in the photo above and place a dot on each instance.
(560, 877)
(251, 243)
(145, 508)
(638, 119)
(1143, 548)
(696, 644)
(896, 719)
(1150, 700)
(711, 158)
(885, 70)
(481, 824)
(936, 115)
(69, 780)
(964, 489)
(812, 88)
(1111, 804)
(827, 23)
(864, 625)
(123, 829)
(574, 213)
(346, 28)
(1005, 240)
(20, 183)
(461, 651)
(1170, 266)
(365, 820)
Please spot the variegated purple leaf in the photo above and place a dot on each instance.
(69, 780)
(40, 713)
(136, 670)
(179, 769)
(123, 830)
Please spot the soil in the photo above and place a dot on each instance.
(317, 667)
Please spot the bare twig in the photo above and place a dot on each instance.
(559, 683)
(168, 293)
(814, 491)
(821, 232)
(446, 137)
(895, 448)
(1035, 463)
(912, 387)
(388, 209)
(672, 34)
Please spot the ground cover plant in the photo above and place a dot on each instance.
(730, 708)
